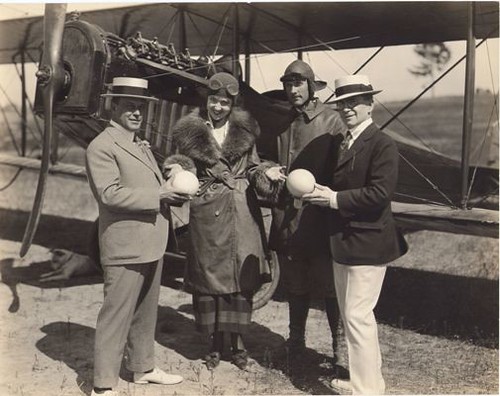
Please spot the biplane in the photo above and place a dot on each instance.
(177, 45)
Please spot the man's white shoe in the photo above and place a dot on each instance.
(106, 393)
(342, 387)
(157, 376)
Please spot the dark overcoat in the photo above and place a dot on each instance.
(226, 252)
(306, 143)
(363, 230)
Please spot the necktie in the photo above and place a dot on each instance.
(344, 146)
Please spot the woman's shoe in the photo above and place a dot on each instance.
(212, 360)
(240, 359)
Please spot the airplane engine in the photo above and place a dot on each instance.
(85, 59)
(91, 59)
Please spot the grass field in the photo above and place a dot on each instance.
(437, 122)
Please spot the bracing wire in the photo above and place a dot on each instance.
(494, 111)
(420, 199)
(30, 103)
(9, 129)
(436, 188)
(261, 73)
(495, 90)
(167, 24)
(171, 33)
(480, 154)
(198, 31)
(433, 185)
(327, 45)
(378, 51)
(254, 56)
(18, 113)
(226, 17)
(11, 181)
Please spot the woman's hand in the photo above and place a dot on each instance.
(275, 173)
(321, 196)
(170, 170)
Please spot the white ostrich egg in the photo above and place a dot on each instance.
(185, 182)
(300, 182)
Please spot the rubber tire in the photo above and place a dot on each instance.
(265, 293)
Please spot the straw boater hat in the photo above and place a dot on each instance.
(130, 87)
(355, 85)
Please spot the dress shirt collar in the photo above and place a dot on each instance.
(360, 128)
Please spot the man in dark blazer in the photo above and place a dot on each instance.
(363, 233)
(131, 195)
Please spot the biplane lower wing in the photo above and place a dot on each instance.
(480, 222)
(409, 216)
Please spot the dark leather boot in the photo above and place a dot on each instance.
(333, 315)
(298, 307)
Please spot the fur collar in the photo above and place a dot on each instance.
(193, 137)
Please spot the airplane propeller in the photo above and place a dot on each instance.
(51, 78)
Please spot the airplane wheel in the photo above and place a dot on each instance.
(267, 290)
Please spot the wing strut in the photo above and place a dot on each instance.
(468, 103)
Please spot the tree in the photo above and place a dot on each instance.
(434, 56)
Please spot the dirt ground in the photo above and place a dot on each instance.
(47, 335)
(438, 316)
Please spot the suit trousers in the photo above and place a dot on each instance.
(358, 289)
(127, 319)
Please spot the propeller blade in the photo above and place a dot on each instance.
(51, 77)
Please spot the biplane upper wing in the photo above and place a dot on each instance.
(209, 28)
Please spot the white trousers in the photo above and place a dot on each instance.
(358, 288)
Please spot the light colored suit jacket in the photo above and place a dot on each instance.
(125, 181)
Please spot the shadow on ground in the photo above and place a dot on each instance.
(11, 276)
(431, 303)
(441, 304)
(53, 231)
(310, 374)
(71, 344)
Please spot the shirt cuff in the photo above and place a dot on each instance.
(333, 200)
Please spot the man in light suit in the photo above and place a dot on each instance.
(131, 195)
(363, 234)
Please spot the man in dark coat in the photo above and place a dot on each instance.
(363, 234)
(299, 235)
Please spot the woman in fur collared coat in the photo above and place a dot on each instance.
(226, 259)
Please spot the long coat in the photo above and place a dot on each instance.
(307, 143)
(363, 230)
(226, 252)
(125, 181)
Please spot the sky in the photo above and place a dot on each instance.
(389, 71)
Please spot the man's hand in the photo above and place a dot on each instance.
(321, 196)
(169, 195)
(276, 173)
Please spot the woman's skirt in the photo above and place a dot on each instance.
(223, 312)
